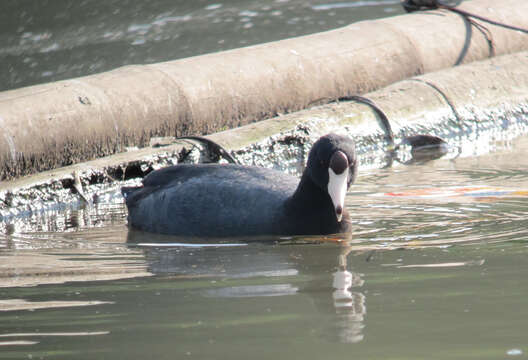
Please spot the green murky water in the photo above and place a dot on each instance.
(436, 269)
(43, 41)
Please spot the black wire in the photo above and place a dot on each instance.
(482, 18)
(214, 147)
(415, 5)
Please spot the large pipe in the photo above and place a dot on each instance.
(62, 123)
(463, 101)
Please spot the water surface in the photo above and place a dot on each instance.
(436, 269)
(43, 41)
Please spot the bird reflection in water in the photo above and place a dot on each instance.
(349, 305)
(336, 298)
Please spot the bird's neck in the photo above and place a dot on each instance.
(314, 206)
(310, 196)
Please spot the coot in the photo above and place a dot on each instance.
(215, 200)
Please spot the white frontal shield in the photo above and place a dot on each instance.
(337, 188)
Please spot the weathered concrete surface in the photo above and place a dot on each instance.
(63, 123)
(457, 104)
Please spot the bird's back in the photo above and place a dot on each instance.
(210, 200)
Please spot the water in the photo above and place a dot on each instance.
(436, 269)
(43, 41)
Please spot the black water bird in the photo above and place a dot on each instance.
(215, 200)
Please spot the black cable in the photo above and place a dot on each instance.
(213, 148)
(389, 135)
(418, 5)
